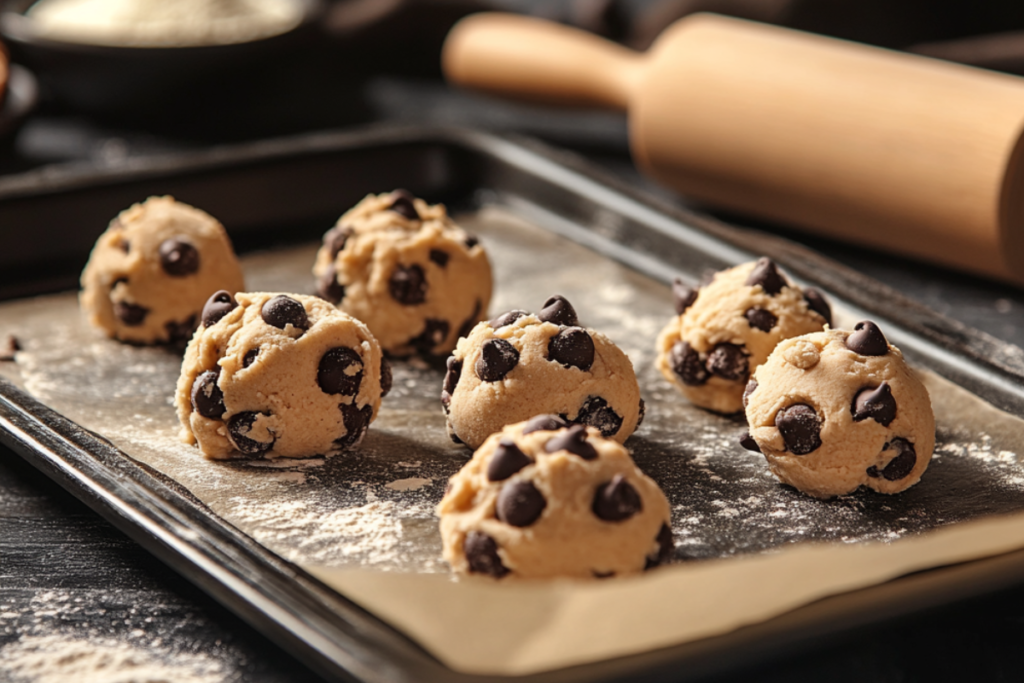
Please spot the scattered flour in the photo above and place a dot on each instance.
(409, 484)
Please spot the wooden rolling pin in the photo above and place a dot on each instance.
(894, 151)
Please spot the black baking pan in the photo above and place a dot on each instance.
(50, 218)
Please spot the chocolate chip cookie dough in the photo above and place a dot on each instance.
(727, 328)
(544, 499)
(278, 375)
(404, 268)
(520, 363)
(835, 410)
(153, 269)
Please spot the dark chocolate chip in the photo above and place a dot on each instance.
(467, 325)
(901, 465)
(131, 315)
(385, 377)
(687, 364)
(453, 436)
(335, 239)
(867, 340)
(340, 371)
(217, 306)
(559, 311)
(434, 332)
(282, 311)
(408, 285)
(683, 295)
(451, 377)
(10, 347)
(643, 413)
(250, 357)
(124, 245)
(497, 359)
(574, 440)
(357, 421)
(877, 403)
(616, 500)
(768, 276)
(665, 548)
(482, 555)
(544, 423)
(601, 575)
(519, 503)
(761, 318)
(439, 257)
(817, 302)
(328, 288)
(178, 258)
(598, 414)
(800, 427)
(748, 390)
(471, 240)
(507, 318)
(572, 347)
(402, 204)
(239, 427)
(728, 361)
(179, 332)
(207, 398)
(506, 461)
(747, 441)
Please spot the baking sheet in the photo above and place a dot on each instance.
(372, 509)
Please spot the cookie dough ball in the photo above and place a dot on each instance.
(543, 499)
(404, 268)
(278, 375)
(835, 410)
(153, 269)
(519, 364)
(727, 328)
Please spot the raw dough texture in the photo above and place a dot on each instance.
(153, 269)
(404, 268)
(521, 364)
(278, 375)
(539, 500)
(727, 328)
(835, 410)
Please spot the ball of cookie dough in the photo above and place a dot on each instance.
(520, 364)
(404, 268)
(278, 375)
(153, 269)
(835, 410)
(727, 328)
(543, 499)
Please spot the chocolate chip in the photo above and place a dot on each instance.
(601, 575)
(573, 440)
(131, 315)
(340, 371)
(357, 421)
(385, 377)
(598, 414)
(497, 359)
(748, 390)
(179, 332)
(616, 500)
(559, 311)
(470, 322)
(250, 357)
(328, 288)
(451, 377)
(687, 364)
(217, 306)
(335, 239)
(178, 258)
(408, 285)
(683, 295)
(471, 240)
(903, 464)
(507, 318)
(800, 427)
(761, 318)
(867, 340)
(124, 245)
(453, 436)
(240, 426)
(10, 347)
(728, 361)
(282, 311)
(665, 548)
(519, 503)
(544, 423)
(767, 275)
(439, 257)
(434, 332)
(506, 461)
(642, 414)
(817, 302)
(402, 204)
(482, 555)
(572, 347)
(877, 403)
(747, 441)
(207, 398)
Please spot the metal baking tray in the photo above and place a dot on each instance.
(286, 192)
